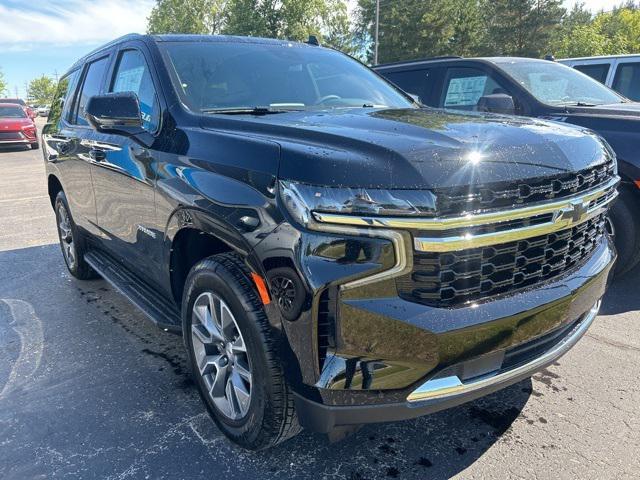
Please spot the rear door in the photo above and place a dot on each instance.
(464, 85)
(124, 171)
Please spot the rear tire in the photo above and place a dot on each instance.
(625, 220)
(234, 347)
(35, 146)
(71, 242)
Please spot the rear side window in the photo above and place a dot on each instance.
(132, 75)
(416, 82)
(627, 80)
(465, 86)
(598, 71)
(90, 87)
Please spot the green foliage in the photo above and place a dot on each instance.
(3, 84)
(186, 16)
(290, 19)
(41, 90)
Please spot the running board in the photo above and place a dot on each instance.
(162, 312)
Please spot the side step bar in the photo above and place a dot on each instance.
(161, 311)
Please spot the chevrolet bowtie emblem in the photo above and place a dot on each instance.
(575, 211)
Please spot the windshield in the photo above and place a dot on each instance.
(11, 112)
(556, 84)
(282, 76)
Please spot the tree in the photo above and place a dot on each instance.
(413, 29)
(3, 83)
(523, 28)
(41, 90)
(186, 16)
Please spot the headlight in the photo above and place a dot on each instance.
(302, 200)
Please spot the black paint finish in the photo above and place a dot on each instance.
(145, 197)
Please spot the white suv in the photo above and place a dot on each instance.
(620, 72)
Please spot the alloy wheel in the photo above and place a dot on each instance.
(221, 355)
(66, 237)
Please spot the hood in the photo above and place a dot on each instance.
(419, 148)
(627, 109)
(7, 124)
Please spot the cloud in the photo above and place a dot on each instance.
(29, 25)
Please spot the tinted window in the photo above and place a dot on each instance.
(627, 80)
(598, 72)
(556, 84)
(218, 75)
(19, 101)
(90, 87)
(416, 82)
(12, 112)
(132, 75)
(66, 86)
(464, 87)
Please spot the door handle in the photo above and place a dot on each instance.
(97, 155)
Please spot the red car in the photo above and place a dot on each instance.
(30, 111)
(16, 128)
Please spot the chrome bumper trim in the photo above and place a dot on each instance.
(449, 387)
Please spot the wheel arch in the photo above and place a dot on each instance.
(54, 186)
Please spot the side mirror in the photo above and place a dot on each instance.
(497, 103)
(116, 113)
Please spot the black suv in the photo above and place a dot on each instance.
(543, 89)
(332, 253)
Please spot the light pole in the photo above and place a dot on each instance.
(375, 52)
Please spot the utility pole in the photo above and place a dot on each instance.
(16, 90)
(55, 74)
(375, 53)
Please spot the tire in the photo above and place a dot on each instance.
(625, 220)
(71, 242)
(35, 146)
(221, 284)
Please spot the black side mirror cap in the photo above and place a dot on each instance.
(116, 113)
(497, 103)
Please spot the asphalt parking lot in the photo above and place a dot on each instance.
(90, 389)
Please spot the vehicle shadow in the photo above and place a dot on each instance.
(14, 148)
(622, 295)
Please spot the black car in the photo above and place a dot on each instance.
(542, 89)
(333, 253)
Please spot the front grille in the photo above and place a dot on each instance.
(469, 199)
(453, 278)
(326, 326)
(10, 136)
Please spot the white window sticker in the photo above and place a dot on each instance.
(465, 91)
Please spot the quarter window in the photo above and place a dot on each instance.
(465, 86)
(66, 86)
(132, 75)
(90, 87)
(627, 80)
(416, 82)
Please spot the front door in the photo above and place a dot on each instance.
(124, 176)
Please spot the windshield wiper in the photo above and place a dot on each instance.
(247, 110)
(579, 104)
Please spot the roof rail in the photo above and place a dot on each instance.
(427, 59)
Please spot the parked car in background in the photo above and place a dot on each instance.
(43, 110)
(620, 72)
(333, 254)
(31, 113)
(542, 89)
(16, 128)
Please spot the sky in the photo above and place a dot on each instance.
(47, 36)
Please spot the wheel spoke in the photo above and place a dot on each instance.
(243, 371)
(241, 393)
(227, 322)
(219, 381)
(231, 399)
(237, 346)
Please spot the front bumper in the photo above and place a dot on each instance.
(439, 393)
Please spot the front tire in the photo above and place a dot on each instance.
(71, 243)
(625, 229)
(232, 355)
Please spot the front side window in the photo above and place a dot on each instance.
(210, 76)
(464, 87)
(132, 75)
(627, 80)
(12, 112)
(598, 71)
(558, 85)
(90, 87)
